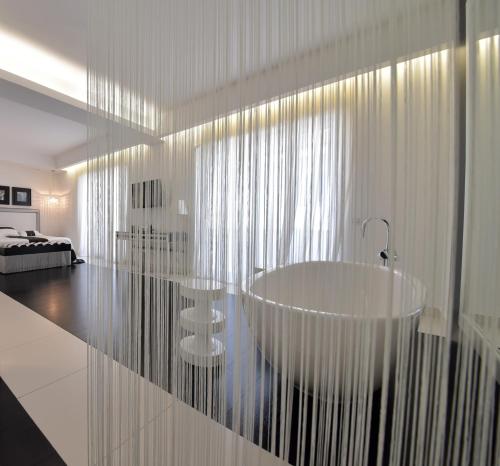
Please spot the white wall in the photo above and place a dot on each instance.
(76, 201)
(42, 183)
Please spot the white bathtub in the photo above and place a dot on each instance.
(323, 324)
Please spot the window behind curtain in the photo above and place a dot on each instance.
(269, 196)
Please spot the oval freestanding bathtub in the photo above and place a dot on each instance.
(324, 324)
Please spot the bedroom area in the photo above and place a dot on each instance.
(249, 233)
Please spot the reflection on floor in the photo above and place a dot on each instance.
(58, 294)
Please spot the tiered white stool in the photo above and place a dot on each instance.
(202, 348)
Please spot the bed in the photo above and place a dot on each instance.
(23, 249)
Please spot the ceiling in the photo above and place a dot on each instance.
(248, 36)
(187, 67)
(32, 137)
(28, 135)
(60, 26)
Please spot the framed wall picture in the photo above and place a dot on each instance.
(147, 194)
(21, 196)
(5, 195)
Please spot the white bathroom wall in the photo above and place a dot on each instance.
(43, 184)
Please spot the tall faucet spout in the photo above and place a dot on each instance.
(387, 254)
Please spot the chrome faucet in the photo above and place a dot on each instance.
(388, 255)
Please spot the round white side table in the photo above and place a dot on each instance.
(202, 348)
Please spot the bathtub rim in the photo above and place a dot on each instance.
(246, 291)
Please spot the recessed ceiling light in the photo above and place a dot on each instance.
(27, 60)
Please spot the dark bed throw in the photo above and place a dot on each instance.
(31, 239)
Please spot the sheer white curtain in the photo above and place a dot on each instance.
(103, 193)
(321, 194)
(215, 219)
(273, 194)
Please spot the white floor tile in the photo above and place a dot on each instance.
(20, 325)
(60, 411)
(135, 401)
(200, 440)
(184, 436)
(33, 365)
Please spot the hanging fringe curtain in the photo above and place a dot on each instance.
(475, 423)
(272, 215)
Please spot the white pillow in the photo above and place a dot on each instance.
(8, 231)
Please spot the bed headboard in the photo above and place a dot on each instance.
(20, 219)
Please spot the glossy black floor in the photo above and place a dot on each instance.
(60, 295)
(21, 441)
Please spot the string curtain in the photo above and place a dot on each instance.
(273, 209)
